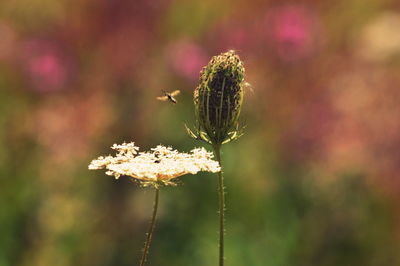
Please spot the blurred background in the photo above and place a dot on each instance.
(314, 180)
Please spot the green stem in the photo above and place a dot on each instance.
(221, 192)
(151, 229)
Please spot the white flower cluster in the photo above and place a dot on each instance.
(161, 164)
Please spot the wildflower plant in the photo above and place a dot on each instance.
(154, 168)
(218, 101)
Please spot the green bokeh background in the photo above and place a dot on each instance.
(314, 180)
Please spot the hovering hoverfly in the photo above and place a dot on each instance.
(169, 96)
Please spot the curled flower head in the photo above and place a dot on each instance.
(218, 99)
(155, 167)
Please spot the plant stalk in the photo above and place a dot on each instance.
(221, 192)
(151, 228)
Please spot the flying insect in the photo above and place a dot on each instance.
(169, 96)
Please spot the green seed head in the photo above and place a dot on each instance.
(218, 98)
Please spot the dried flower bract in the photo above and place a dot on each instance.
(158, 166)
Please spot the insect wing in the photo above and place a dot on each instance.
(174, 93)
(162, 98)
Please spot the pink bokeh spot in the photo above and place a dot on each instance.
(187, 58)
(46, 66)
(292, 31)
(47, 72)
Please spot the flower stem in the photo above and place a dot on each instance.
(151, 228)
(221, 192)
